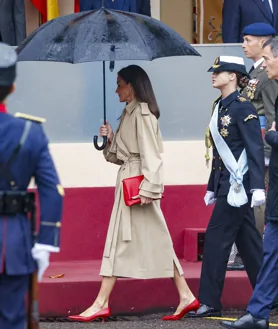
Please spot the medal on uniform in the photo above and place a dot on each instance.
(224, 132)
(226, 120)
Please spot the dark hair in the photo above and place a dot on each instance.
(4, 92)
(141, 85)
(242, 79)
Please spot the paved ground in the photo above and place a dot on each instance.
(147, 322)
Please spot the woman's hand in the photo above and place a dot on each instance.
(106, 130)
(145, 200)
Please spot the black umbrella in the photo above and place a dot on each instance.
(103, 35)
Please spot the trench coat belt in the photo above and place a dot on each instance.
(126, 211)
(125, 214)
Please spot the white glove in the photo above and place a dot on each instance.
(41, 256)
(209, 198)
(258, 198)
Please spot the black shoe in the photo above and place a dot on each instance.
(274, 306)
(247, 321)
(235, 267)
(204, 311)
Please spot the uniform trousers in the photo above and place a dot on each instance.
(228, 225)
(266, 289)
(13, 289)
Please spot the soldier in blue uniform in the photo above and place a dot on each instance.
(236, 184)
(23, 154)
(124, 5)
(266, 290)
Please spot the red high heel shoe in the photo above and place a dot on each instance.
(191, 307)
(104, 314)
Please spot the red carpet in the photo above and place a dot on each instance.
(77, 289)
(84, 227)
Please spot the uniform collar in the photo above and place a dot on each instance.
(3, 108)
(131, 106)
(229, 99)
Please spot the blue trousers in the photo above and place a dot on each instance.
(266, 288)
(12, 296)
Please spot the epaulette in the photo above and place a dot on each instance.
(241, 99)
(29, 117)
(145, 109)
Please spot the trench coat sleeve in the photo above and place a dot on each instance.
(111, 156)
(272, 138)
(250, 131)
(151, 161)
(269, 95)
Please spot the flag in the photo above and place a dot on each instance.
(48, 9)
(52, 9)
(76, 6)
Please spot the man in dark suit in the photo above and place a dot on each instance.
(237, 14)
(144, 7)
(258, 310)
(12, 22)
(124, 5)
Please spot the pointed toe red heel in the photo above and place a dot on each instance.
(104, 314)
(191, 307)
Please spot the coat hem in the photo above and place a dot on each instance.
(139, 274)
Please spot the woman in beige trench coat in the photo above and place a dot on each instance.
(138, 243)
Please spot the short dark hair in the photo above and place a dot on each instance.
(273, 43)
(4, 92)
(141, 85)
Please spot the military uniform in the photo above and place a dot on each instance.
(24, 154)
(232, 220)
(262, 92)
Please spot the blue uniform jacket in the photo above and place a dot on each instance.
(238, 124)
(33, 160)
(124, 5)
(239, 13)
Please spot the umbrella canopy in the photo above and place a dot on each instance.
(103, 35)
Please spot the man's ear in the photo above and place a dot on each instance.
(13, 88)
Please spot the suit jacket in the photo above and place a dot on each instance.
(33, 160)
(237, 14)
(272, 193)
(144, 7)
(239, 126)
(124, 5)
(262, 92)
(12, 22)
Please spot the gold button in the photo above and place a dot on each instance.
(12, 183)
(220, 168)
(58, 224)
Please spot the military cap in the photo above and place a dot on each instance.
(259, 29)
(229, 63)
(8, 59)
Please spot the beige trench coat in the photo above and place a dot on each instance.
(138, 243)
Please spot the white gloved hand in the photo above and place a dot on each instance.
(258, 198)
(41, 256)
(209, 198)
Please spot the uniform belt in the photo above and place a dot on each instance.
(14, 202)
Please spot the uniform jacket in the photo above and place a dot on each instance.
(239, 126)
(237, 14)
(263, 97)
(12, 22)
(33, 160)
(124, 5)
(272, 194)
(137, 235)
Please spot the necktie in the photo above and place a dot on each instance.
(268, 9)
(252, 69)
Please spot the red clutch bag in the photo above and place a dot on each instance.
(131, 190)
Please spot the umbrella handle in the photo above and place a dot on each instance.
(102, 147)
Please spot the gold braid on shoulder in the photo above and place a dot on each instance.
(208, 139)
